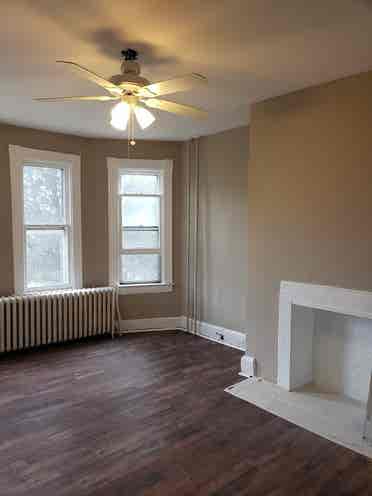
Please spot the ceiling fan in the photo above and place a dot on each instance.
(135, 93)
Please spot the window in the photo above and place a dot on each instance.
(46, 220)
(140, 221)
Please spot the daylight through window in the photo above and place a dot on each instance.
(140, 254)
(46, 227)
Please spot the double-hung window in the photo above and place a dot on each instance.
(46, 220)
(140, 221)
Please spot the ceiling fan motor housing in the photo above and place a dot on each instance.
(130, 67)
(130, 72)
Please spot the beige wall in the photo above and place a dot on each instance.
(94, 210)
(223, 228)
(309, 199)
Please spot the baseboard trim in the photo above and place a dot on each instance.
(217, 334)
(152, 324)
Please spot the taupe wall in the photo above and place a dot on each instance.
(309, 199)
(94, 210)
(223, 228)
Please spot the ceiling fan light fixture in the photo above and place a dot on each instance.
(144, 117)
(120, 114)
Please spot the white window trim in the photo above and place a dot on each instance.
(114, 165)
(71, 163)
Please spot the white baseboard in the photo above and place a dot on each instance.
(153, 324)
(227, 337)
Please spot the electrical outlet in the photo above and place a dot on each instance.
(220, 336)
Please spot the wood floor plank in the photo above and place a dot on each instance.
(147, 415)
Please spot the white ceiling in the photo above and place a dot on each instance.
(250, 50)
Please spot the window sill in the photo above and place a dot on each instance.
(132, 289)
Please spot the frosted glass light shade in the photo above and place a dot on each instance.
(120, 116)
(144, 117)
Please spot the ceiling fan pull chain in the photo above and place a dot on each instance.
(128, 145)
(132, 141)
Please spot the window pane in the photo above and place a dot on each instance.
(43, 190)
(139, 184)
(46, 258)
(137, 268)
(136, 238)
(140, 211)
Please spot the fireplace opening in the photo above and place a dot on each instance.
(342, 354)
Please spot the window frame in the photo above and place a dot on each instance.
(137, 166)
(70, 164)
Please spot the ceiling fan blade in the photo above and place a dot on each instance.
(175, 108)
(95, 78)
(174, 85)
(102, 98)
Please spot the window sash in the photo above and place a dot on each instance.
(66, 229)
(65, 185)
(142, 282)
(155, 229)
(143, 229)
(131, 172)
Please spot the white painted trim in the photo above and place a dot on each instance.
(296, 324)
(113, 221)
(114, 165)
(152, 324)
(17, 220)
(234, 339)
(71, 164)
(351, 302)
(75, 212)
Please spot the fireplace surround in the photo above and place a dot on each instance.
(297, 305)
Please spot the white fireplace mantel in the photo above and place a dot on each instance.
(297, 302)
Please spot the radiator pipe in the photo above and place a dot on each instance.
(192, 236)
(196, 240)
(188, 233)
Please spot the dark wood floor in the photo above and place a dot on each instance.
(147, 415)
